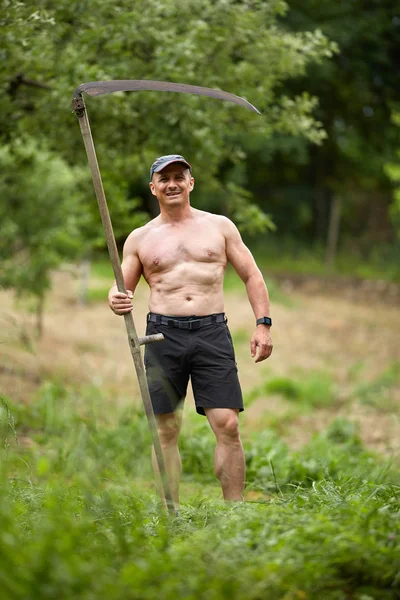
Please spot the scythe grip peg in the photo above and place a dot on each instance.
(150, 339)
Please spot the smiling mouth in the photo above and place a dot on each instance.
(173, 194)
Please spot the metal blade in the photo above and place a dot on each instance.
(98, 88)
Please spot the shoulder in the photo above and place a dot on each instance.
(227, 227)
(137, 236)
(222, 223)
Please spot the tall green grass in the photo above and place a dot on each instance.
(79, 517)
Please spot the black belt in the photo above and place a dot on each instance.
(186, 322)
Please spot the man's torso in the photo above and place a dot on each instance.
(184, 264)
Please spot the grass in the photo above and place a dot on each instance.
(79, 517)
(377, 392)
(308, 389)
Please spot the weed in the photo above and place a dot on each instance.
(7, 424)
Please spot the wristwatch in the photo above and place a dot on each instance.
(264, 321)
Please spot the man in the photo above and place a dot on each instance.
(182, 254)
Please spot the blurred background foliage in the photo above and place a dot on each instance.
(320, 166)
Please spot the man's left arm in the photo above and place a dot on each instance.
(244, 264)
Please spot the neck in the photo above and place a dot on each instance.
(175, 214)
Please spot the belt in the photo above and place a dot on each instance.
(189, 323)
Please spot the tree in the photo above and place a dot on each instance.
(49, 48)
(357, 92)
(393, 171)
(40, 215)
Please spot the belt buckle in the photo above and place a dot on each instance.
(195, 324)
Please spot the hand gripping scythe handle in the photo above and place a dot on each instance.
(97, 88)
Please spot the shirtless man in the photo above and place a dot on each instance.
(182, 254)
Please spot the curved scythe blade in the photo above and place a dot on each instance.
(98, 88)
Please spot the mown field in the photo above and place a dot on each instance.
(79, 517)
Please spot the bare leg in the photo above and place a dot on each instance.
(229, 461)
(169, 426)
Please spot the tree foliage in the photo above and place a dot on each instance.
(49, 48)
(393, 172)
(41, 216)
(357, 91)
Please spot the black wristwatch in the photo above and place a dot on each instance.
(264, 321)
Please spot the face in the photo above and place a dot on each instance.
(172, 185)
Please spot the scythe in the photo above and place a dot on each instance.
(98, 88)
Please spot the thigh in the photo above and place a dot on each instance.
(214, 373)
(166, 370)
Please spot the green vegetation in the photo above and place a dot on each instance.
(377, 392)
(99, 293)
(102, 269)
(328, 127)
(307, 390)
(44, 169)
(290, 256)
(79, 517)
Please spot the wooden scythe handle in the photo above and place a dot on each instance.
(134, 341)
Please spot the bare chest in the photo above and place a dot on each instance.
(163, 250)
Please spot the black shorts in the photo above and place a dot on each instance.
(205, 354)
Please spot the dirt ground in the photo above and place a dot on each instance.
(314, 332)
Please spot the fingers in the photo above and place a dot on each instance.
(121, 295)
(260, 348)
(264, 352)
(121, 303)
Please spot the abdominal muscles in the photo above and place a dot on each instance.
(189, 288)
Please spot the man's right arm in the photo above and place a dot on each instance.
(119, 302)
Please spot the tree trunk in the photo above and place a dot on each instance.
(333, 231)
(39, 316)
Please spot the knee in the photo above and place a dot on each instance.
(228, 428)
(168, 430)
